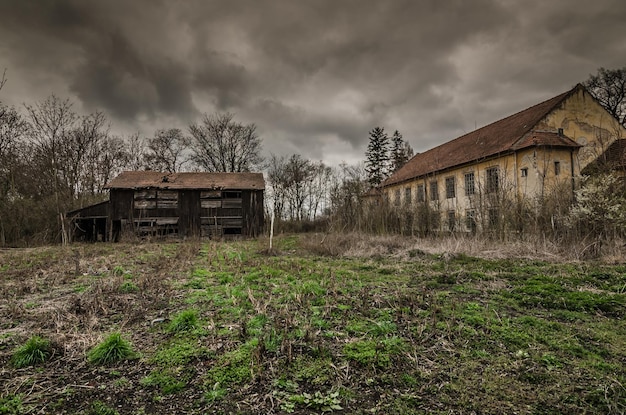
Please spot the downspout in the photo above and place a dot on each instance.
(571, 155)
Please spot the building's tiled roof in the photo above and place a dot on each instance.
(544, 138)
(508, 134)
(160, 180)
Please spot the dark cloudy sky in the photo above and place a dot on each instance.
(314, 75)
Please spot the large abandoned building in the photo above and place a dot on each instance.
(149, 203)
(541, 149)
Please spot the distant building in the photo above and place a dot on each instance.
(539, 149)
(177, 204)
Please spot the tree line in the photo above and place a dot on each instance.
(53, 160)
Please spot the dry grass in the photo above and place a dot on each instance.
(364, 245)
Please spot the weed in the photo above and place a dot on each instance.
(36, 350)
(371, 352)
(234, 367)
(186, 320)
(100, 408)
(11, 405)
(128, 287)
(215, 394)
(318, 401)
(113, 349)
(179, 351)
(165, 380)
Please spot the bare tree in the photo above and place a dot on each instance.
(609, 88)
(51, 124)
(220, 144)
(166, 150)
(134, 153)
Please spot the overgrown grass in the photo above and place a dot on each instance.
(324, 324)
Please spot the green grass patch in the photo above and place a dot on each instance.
(113, 349)
(35, 351)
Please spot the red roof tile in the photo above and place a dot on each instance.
(160, 180)
(503, 136)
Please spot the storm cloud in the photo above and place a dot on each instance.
(314, 76)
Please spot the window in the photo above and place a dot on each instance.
(557, 168)
(470, 220)
(493, 180)
(450, 188)
(396, 198)
(421, 196)
(407, 195)
(525, 172)
(451, 220)
(434, 191)
(469, 184)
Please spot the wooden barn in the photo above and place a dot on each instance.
(177, 204)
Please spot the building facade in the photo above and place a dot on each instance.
(176, 204)
(535, 152)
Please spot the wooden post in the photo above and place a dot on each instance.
(271, 230)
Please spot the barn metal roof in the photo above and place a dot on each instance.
(508, 134)
(160, 180)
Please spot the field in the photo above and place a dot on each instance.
(319, 324)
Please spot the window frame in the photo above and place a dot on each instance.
(450, 183)
(470, 183)
(434, 191)
(421, 193)
(492, 179)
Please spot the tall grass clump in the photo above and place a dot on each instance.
(113, 349)
(36, 350)
(186, 320)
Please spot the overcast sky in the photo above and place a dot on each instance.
(315, 76)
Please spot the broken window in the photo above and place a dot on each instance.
(493, 179)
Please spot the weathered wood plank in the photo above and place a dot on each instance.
(145, 194)
(231, 203)
(208, 204)
(167, 195)
(210, 194)
(145, 204)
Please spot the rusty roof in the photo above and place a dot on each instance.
(508, 134)
(160, 180)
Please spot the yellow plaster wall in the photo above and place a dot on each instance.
(541, 177)
(585, 121)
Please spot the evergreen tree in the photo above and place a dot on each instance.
(377, 156)
(401, 152)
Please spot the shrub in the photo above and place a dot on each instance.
(113, 349)
(35, 350)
